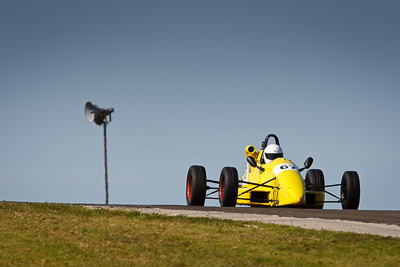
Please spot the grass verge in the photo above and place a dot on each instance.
(58, 234)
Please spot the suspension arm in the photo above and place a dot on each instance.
(258, 185)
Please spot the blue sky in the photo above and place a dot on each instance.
(195, 82)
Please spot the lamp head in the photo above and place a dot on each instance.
(96, 114)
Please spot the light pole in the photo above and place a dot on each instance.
(99, 116)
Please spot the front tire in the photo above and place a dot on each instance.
(228, 187)
(196, 186)
(315, 180)
(350, 190)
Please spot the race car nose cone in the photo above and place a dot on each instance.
(297, 196)
(292, 196)
(292, 191)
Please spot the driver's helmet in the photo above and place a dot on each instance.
(272, 152)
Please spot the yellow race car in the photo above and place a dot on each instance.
(270, 180)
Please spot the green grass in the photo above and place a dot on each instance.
(33, 234)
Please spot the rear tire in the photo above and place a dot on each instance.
(315, 180)
(228, 187)
(196, 186)
(350, 190)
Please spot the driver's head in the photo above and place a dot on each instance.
(272, 152)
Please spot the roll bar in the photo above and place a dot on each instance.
(265, 142)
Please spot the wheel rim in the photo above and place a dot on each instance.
(221, 188)
(344, 192)
(189, 187)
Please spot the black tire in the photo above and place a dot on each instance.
(315, 180)
(350, 190)
(196, 186)
(228, 187)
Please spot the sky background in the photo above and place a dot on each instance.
(195, 82)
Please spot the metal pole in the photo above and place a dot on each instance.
(105, 157)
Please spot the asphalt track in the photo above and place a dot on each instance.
(367, 216)
(379, 222)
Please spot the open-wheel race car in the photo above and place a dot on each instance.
(270, 180)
